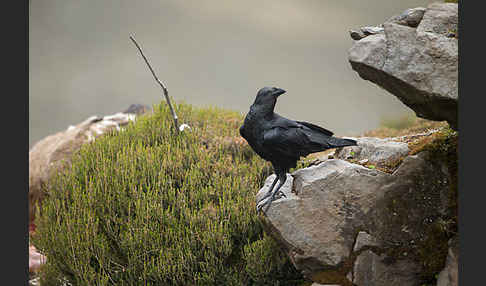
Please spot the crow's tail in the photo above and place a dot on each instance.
(341, 142)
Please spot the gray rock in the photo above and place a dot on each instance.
(449, 276)
(365, 31)
(374, 151)
(370, 30)
(417, 65)
(440, 19)
(369, 52)
(364, 240)
(356, 35)
(370, 268)
(315, 224)
(327, 206)
(410, 17)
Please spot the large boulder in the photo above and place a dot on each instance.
(414, 56)
(343, 223)
(53, 153)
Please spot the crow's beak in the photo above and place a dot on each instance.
(278, 91)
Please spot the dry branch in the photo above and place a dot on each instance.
(164, 88)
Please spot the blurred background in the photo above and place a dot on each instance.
(208, 53)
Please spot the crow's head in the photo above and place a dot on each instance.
(268, 96)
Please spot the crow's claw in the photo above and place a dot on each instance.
(280, 194)
(268, 194)
(263, 203)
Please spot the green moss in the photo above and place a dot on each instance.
(442, 147)
(445, 149)
(148, 207)
(431, 251)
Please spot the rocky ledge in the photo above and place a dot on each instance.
(414, 56)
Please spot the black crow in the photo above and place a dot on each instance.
(283, 141)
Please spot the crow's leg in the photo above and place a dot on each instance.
(282, 176)
(269, 192)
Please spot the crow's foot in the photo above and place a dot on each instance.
(264, 203)
(268, 194)
(267, 201)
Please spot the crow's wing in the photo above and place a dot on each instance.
(286, 123)
(316, 128)
(293, 142)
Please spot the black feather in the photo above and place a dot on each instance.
(316, 128)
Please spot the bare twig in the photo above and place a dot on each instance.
(164, 88)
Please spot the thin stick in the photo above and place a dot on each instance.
(164, 88)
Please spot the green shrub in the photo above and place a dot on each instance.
(264, 262)
(147, 207)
